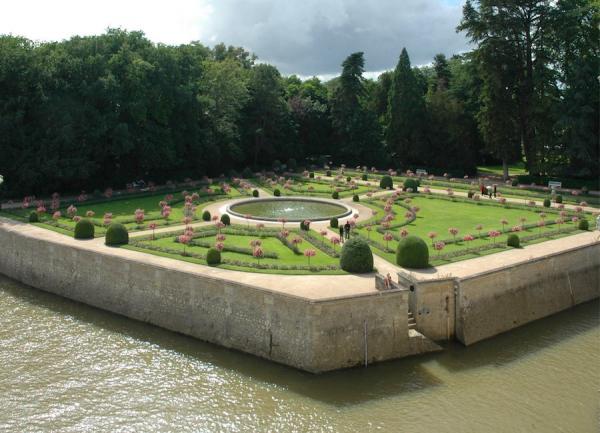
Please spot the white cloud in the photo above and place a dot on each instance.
(167, 21)
(306, 37)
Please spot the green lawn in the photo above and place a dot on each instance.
(168, 247)
(123, 210)
(438, 215)
(516, 169)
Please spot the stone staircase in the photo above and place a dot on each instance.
(412, 323)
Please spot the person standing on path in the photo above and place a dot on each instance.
(347, 229)
(495, 188)
(342, 234)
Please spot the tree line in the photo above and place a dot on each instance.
(92, 112)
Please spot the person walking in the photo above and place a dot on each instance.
(347, 229)
(342, 234)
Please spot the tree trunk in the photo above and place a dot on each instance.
(504, 169)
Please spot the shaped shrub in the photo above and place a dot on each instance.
(356, 256)
(225, 219)
(206, 216)
(412, 252)
(584, 225)
(386, 182)
(365, 177)
(355, 198)
(116, 234)
(255, 193)
(547, 202)
(33, 217)
(276, 192)
(213, 257)
(334, 223)
(304, 226)
(335, 195)
(413, 184)
(84, 229)
(558, 199)
(328, 173)
(513, 241)
(311, 174)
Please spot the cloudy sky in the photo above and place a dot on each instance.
(305, 37)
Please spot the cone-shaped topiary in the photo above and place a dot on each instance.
(206, 216)
(116, 234)
(584, 225)
(386, 182)
(356, 256)
(334, 223)
(412, 252)
(225, 219)
(33, 217)
(513, 241)
(213, 257)
(84, 229)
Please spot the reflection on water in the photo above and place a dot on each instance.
(67, 367)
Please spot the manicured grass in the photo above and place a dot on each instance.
(438, 215)
(316, 188)
(123, 210)
(167, 246)
(516, 169)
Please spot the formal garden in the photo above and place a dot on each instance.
(316, 222)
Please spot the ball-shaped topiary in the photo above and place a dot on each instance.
(412, 252)
(116, 234)
(276, 192)
(558, 199)
(206, 216)
(334, 223)
(515, 182)
(213, 257)
(365, 177)
(356, 256)
(254, 193)
(513, 241)
(225, 219)
(583, 225)
(355, 198)
(386, 182)
(547, 202)
(311, 174)
(328, 173)
(335, 195)
(304, 226)
(84, 229)
(413, 184)
(348, 179)
(34, 217)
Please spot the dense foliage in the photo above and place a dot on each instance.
(213, 257)
(116, 234)
(73, 111)
(412, 252)
(356, 256)
(513, 240)
(84, 229)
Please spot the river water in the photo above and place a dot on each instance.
(66, 367)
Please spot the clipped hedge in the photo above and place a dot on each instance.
(334, 223)
(225, 219)
(84, 229)
(386, 182)
(413, 184)
(206, 216)
(412, 252)
(356, 256)
(116, 234)
(33, 217)
(213, 257)
(513, 241)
